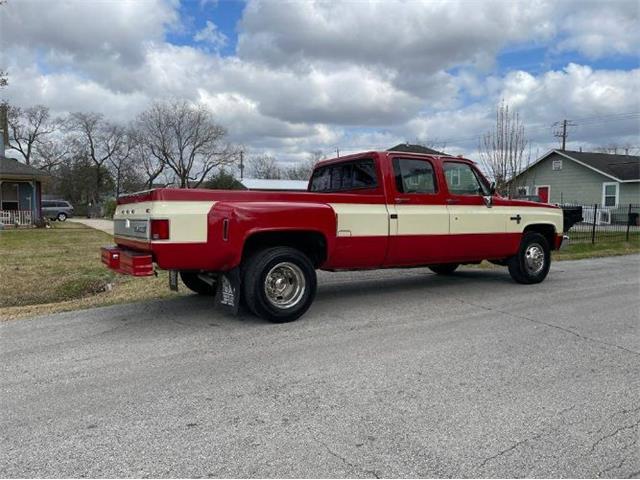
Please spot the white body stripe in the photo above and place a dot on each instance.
(188, 220)
(373, 220)
(480, 219)
(421, 220)
(360, 220)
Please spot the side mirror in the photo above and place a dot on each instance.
(492, 189)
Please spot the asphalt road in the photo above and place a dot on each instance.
(394, 373)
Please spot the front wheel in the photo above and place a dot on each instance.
(532, 262)
(196, 284)
(444, 268)
(279, 284)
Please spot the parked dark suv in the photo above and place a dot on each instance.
(57, 209)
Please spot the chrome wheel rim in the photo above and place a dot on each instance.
(534, 259)
(284, 285)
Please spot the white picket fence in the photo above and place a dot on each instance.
(16, 217)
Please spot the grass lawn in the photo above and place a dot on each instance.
(602, 248)
(58, 269)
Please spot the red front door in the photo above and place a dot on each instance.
(543, 193)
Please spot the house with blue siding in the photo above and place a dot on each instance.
(20, 192)
(584, 178)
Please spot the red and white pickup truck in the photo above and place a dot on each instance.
(366, 211)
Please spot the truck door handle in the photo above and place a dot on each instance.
(401, 200)
(452, 201)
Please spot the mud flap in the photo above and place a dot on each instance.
(173, 280)
(228, 294)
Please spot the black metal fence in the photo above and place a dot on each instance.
(601, 223)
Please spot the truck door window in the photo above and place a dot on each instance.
(414, 176)
(360, 174)
(461, 179)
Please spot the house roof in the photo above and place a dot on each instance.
(268, 184)
(622, 168)
(407, 147)
(11, 168)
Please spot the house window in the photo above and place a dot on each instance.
(557, 164)
(523, 191)
(9, 196)
(610, 192)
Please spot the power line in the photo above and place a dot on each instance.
(561, 131)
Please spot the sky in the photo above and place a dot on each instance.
(290, 77)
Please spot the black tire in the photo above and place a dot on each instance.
(444, 268)
(287, 268)
(62, 216)
(523, 266)
(197, 285)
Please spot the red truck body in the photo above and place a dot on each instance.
(389, 217)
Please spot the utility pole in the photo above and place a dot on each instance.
(337, 152)
(561, 131)
(241, 164)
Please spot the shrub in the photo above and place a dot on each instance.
(110, 208)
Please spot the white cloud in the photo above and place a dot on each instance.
(312, 75)
(113, 32)
(211, 36)
(598, 29)
(408, 36)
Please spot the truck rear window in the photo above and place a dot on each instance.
(354, 175)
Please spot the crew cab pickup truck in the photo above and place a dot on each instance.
(366, 211)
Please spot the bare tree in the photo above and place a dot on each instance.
(185, 139)
(52, 151)
(28, 127)
(99, 139)
(143, 159)
(121, 160)
(303, 170)
(502, 149)
(3, 79)
(263, 166)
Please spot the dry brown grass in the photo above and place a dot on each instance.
(58, 269)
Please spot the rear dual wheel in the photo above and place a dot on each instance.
(279, 284)
(444, 268)
(195, 283)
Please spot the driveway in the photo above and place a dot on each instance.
(392, 373)
(98, 223)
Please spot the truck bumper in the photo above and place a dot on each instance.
(127, 262)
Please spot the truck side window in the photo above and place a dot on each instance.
(461, 179)
(345, 176)
(414, 176)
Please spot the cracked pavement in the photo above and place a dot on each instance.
(396, 373)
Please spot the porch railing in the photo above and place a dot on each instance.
(16, 217)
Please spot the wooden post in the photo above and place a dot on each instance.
(595, 215)
(628, 222)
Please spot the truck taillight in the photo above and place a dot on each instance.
(159, 229)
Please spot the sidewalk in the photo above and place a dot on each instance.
(98, 223)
